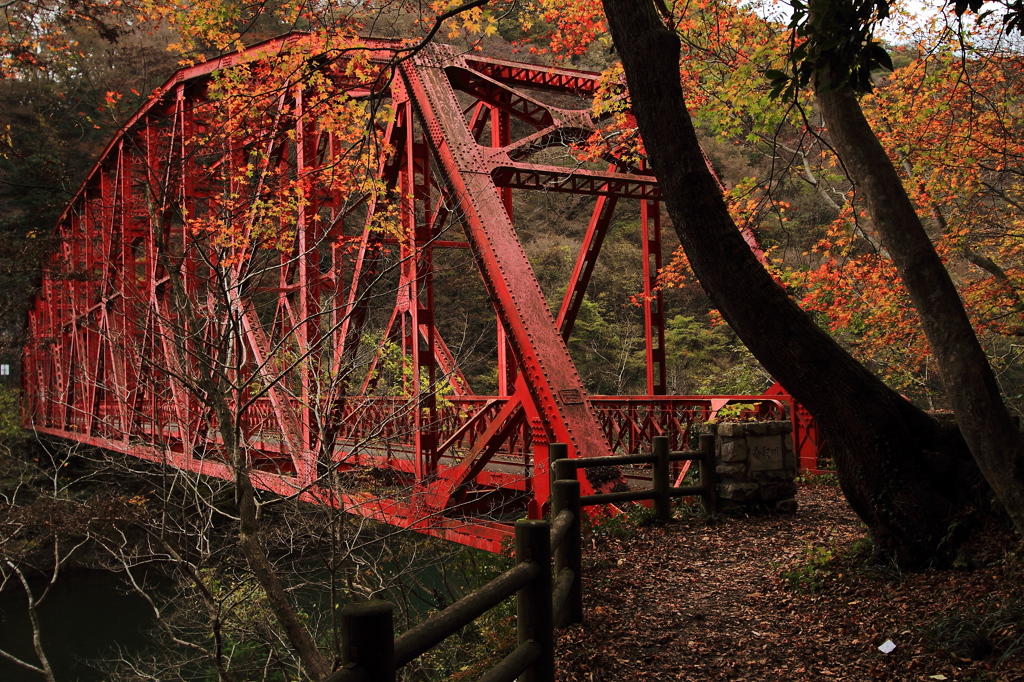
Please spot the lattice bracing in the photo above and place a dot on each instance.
(268, 279)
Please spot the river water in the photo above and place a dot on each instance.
(87, 616)
(92, 616)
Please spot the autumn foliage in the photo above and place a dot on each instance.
(949, 115)
(238, 133)
(953, 126)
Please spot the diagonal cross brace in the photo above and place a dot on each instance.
(552, 380)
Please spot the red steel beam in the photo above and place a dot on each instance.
(114, 356)
(540, 351)
(551, 78)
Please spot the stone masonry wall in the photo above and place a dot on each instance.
(756, 465)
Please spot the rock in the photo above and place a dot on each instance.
(730, 429)
(757, 465)
(734, 451)
(786, 506)
(791, 463)
(731, 469)
(758, 428)
(738, 492)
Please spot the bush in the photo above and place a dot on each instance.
(987, 629)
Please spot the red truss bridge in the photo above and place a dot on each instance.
(223, 285)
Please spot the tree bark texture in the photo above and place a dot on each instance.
(250, 543)
(894, 463)
(256, 556)
(211, 392)
(984, 421)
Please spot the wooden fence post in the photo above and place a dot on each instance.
(534, 620)
(556, 451)
(566, 495)
(368, 638)
(662, 484)
(708, 474)
(565, 470)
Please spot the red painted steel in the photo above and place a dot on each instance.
(808, 442)
(135, 307)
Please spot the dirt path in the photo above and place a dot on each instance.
(780, 598)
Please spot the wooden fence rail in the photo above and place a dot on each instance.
(371, 653)
(545, 599)
(662, 491)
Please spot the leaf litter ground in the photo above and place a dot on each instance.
(775, 597)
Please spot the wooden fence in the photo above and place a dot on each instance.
(546, 597)
(660, 459)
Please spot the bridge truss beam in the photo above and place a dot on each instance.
(160, 337)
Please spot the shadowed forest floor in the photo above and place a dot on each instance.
(790, 598)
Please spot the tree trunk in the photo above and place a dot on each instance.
(985, 422)
(900, 473)
(256, 555)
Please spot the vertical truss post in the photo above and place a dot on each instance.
(426, 339)
(415, 298)
(501, 136)
(654, 307)
(308, 284)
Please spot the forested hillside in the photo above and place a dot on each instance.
(58, 112)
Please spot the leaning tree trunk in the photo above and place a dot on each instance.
(211, 393)
(277, 597)
(249, 541)
(894, 464)
(991, 435)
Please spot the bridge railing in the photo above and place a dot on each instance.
(628, 422)
(460, 422)
(544, 599)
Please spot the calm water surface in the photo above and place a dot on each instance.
(92, 615)
(87, 616)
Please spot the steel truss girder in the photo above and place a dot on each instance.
(128, 310)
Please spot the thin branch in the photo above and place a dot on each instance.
(33, 615)
(438, 21)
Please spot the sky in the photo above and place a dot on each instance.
(910, 19)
